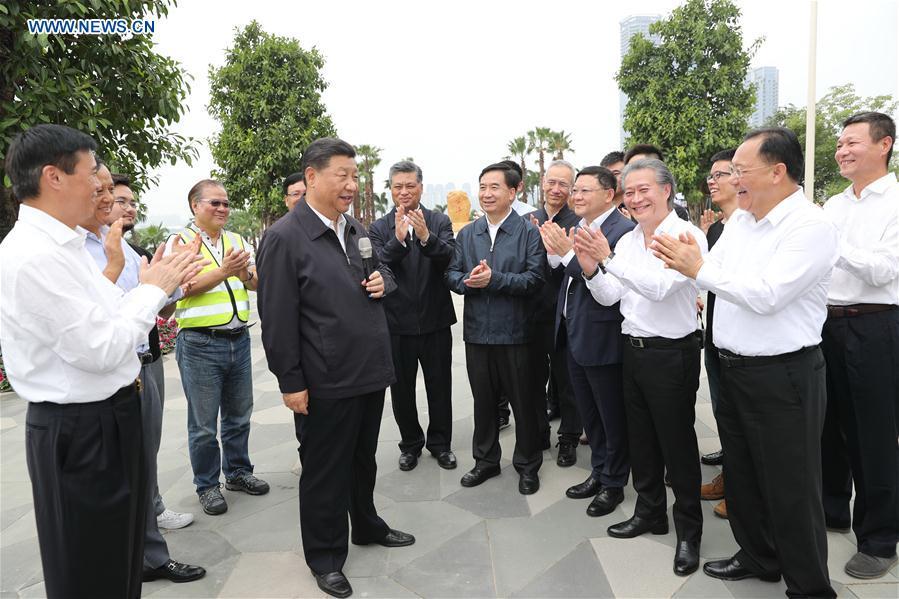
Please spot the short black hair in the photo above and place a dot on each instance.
(611, 158)
(511, 176)
(781, 145)
(118, 179)
(319, 153)
(39, 146)
(514, 166)
(647, 149)
(605, 177)
(879, 126)
(727, 154)
(291, 179)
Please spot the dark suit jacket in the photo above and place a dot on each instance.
(320, 330)
(499, 314)
(594, 330)
(545, 301)
(421, 303)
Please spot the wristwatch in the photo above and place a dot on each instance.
(595, 272)
(605, 262)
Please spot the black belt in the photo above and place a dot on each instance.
(857, 310)
(693, 339)
(145, 358)
(732, 360)
(219, 332)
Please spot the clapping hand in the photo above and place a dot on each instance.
(479, 276)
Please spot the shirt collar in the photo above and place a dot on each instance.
(877, 186)
(500, 223)
(55, 229)
(328, 222)
(792, 202)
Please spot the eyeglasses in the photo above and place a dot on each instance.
(125, 203)
(217, 203)
(739, 172)
(557, 182)
(718, 175)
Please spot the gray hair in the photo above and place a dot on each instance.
(405, 166)
(663, 175)
(564, 163)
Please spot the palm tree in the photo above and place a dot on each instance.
(151, 236)
(518, 148)
(538, 141)
(559, 143)
(367, 157)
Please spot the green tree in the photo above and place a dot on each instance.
(539, 140)
(267, 97)
(518, 149)
(836, 106)
(151, 236)
(368, 158)
(115, 88)
(559, 143)
(247, 224)
(688, 94)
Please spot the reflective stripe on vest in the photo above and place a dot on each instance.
(219, 305)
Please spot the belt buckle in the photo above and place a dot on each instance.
(636, 342)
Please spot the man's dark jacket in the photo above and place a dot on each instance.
(499, 314)
(594, 330)
(421, 303)
(320, 329)
(545, 302)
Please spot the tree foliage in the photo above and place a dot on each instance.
(150, 237)
(368, 158)
(114, 88)
(836, 106)
(540, 140)
(267, 97)
(688, 94)
(247, 224)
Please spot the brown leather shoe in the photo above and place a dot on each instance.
(713, 490)
(721, 509)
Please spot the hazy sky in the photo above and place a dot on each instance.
(451, 83)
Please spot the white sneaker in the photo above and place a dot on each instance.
(172, 520)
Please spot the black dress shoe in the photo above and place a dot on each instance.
(408, 461)
(334, 584)
(479, 474)
(716, 458)
(732, 569)
(605, 501)
(528, 484)
(567, 454)
(686, 558)
(446, 460)
(503, 422)
(174, 571)
(636, 526)
(552, 413)
(588, 488)
(394, 538)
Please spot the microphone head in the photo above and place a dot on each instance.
(365, 247)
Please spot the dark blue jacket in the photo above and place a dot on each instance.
(545, 301)
(594, 330)
(500, 313)
(421, 303)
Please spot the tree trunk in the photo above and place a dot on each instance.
(524, 178)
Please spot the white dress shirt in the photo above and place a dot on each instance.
(867, 271)
(341, 226)
(555, 261)
(770, 278)
(68, 334)
(492, 229)
(521, 208)
(655, 301)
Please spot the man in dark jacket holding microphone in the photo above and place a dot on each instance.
(325, 338)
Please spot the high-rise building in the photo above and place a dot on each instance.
(765, 80)
(630, 26)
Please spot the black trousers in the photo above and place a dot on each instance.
(860, 436)
(338, 440)
(660, 398)
(434, 351)
(88, 477)
(502, 370)
(551, 374)
(771, 416)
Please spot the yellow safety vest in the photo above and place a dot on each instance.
(220, 304)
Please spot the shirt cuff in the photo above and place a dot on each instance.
(708, 275)
(567, 257)
(150, 296)
(616, 267)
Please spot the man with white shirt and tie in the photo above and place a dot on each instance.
(769, 271)
(661, 357)
(861, 346)
(589, 335)
(68, 337)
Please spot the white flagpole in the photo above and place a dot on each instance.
(810, 108)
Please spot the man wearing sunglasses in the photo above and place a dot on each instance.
(213, 350)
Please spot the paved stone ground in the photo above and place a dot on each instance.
(483, 542)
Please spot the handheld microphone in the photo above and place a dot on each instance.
(368, 263)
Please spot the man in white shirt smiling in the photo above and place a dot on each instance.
(861, 346)
(69, 336)
(661, 358)
(769, 270)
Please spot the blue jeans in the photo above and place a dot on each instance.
(216, 375)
